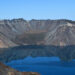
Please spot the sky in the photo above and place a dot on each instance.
(37, 9)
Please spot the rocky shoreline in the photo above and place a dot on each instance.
(5, 70)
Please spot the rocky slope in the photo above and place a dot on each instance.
(20, 38)
(5, 70)
(40, 32)
(56, 36)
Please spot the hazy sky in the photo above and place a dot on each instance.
(37, 9)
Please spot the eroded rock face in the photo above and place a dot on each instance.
(53, 33)
(40, 32)
(5, 70)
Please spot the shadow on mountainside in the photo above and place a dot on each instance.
(65, 53)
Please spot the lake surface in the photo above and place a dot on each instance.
(44, 66)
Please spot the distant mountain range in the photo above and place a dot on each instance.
(18, 32)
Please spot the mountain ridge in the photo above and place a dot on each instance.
(36, 32)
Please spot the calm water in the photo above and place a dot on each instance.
(44, 65)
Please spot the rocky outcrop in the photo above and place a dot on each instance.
(36, 32)
(5, 70)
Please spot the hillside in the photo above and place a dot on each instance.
(17, 32)
(42, 37)
(5, 70)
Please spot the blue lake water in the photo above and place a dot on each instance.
(44, 66)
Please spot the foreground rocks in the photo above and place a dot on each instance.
(5, 70)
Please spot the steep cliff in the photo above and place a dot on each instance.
(56, 37)
(36, 32)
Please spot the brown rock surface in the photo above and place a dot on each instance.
(5, 70)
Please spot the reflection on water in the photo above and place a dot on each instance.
(44, 65)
